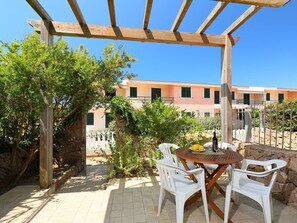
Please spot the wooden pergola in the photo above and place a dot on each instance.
(47, 27)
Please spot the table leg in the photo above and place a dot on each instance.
(212, 182)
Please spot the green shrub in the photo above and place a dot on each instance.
(279, 114)
(210, 123)
(126, 158)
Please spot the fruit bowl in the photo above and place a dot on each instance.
(197, 148)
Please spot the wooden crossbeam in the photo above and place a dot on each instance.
(181, 14)
(147, 13)
(268, 3)
(76, 10)
(112, 13)
(212, 16)
(134, 34)
(242, 19)
(39, 9)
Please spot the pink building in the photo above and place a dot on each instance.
(200, 99)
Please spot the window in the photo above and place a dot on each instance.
(206, 114)
(281, 97)
(233, 95)
(217, 97)
(189, 114)
(156, 93)
(206, 93)
(185, 92)
(267, 96)
(90, 118)
(246, 99)
(108, 119)
(133, 92)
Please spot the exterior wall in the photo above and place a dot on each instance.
(144, 90)
(197, 103)
(122, 92)
(292, 95)
(99, 120)
(197, 94)
(274, 95)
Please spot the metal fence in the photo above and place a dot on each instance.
(212, 122)
(275, 125)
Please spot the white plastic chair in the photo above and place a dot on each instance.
(179, 186)
(257, 191)
(221, 145)
(165, 149)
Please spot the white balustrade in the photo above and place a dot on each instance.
(100, 139)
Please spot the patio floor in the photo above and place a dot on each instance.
(130, 200)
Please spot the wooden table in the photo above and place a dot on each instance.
(223, 161)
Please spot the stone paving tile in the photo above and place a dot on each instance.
(131, 200)
(18, 204)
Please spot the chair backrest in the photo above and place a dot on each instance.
(225, 145)
(222, 145)
(167, 173)
(274, 166)
(165, 149)
(270, 166)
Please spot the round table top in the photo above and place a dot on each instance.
(228, 157)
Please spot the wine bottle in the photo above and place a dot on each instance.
(215, 143)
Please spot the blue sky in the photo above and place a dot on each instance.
(266, 54)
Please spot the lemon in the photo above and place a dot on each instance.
(197, 147)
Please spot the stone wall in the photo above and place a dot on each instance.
(275, 139)
(285, 187)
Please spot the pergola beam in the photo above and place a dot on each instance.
(147, 13)
(112, 13)
(134, 34)
(268, 3)
(181, 14)
(76, 11)
(212, 16)
(242, 19)
(39, 9)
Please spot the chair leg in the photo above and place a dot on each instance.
(161, 197)
(235, 197)
(271, 208)
(204, 199)
(266, 208)
(227, 203)
(180, 205)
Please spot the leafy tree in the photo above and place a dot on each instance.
(34, 75)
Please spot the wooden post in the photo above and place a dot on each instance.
(46, 126)
(226, 91)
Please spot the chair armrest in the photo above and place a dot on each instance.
(198, 173)
(252, 173)
(266, 164)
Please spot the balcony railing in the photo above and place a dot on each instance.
(249, 102)
(149, 99)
